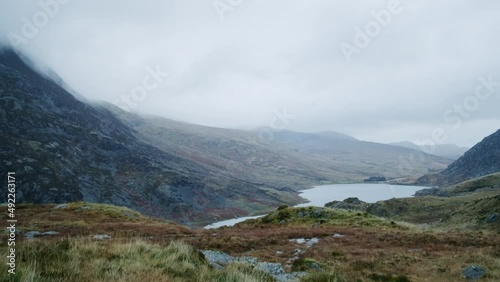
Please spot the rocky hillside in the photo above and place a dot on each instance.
(235, 153)
(480, 160)
(65, 150)
(289, 160)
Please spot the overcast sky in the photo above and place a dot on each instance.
(234, 63)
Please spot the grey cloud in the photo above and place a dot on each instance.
(272, 54)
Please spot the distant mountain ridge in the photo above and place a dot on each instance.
(291, 159)
(450, 151)
(480, 160)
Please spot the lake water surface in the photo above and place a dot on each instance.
(320, 195)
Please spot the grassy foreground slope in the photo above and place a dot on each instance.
(359, 246)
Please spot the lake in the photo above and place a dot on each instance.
(320, 195)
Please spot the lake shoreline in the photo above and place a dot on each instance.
(338, 192)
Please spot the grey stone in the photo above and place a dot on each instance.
(312, 242)
(249, 260)
(271, 268)
(28, 169)
(298, 240)
(31, 234)
(492, 217)
(216, 258)
(297, 252)
(308, 242)
(50, 233)
(315, 265)
(317, 213)
(101, 237)
(61, 206)
(474, 272)
(220, 259)
(353, 200)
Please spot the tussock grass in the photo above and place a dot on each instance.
(330, 276)
(80, 259)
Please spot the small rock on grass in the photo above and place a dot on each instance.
(217, 259)
(271, 268)
(492, 217)
(32, 234)
(474, 272)
(50, 233)
(101, 237)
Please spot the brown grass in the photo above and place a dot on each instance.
(416, 254)
(365, 252)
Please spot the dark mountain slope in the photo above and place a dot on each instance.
(480, 160)
(64, 150)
